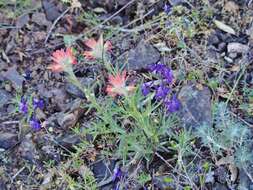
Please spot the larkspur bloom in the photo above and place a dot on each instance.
(63, 60)
(164, 71)
(98, 48)
(23, 106)
(173, 104)
(116, 173)
(35, 124)
(38, 103)
(145, 88)
(167, 8)
(117, 85)
(161, 92)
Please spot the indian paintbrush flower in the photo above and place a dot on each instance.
(117, 85)
(98, 48)
(63, 60)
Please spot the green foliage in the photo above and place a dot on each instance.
(137, 126)
(228, 135)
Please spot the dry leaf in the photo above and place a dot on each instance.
(76, 4)
(224, 27)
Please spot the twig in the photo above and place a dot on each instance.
(55, 22)
(18, 172)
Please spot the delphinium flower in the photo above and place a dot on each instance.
(173, 104)
(161, 92)
(117, 173)
(63, 60)
(162, 89)
(23, 106)
(98, 48)
(167, 8)
(38, 103)
(34, 123)
(117, 85)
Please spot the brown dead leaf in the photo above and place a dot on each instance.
(231, 7)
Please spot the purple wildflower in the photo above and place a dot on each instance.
(116, 173)
(35, 124)
(145, 88)
(168, 75)
(173, 104)
(23, 107)
(161, 92)
(167, 8)
(157, 68)
(38, 103)
(27, 75)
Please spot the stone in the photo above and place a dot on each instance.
(8, 140)
(236, 47)
(218, 186)
(40, 19)
(69, 140)
(142, 56)
(196, 106)
(16, 79)
(3, 185)
(244, 181)
(5, 97)
(51, 10)
(76, 92)
(22, 21)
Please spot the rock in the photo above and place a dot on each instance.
(3, 185)
(5, 97)
(196, 106)
(102, 170)
(8, 140)
(232, 55)
(76, 92)
(236, 47)
(143, 55)
(228, 59)
(51, 10)
(244, 181)
(218, 186)
(15, 78)
(213, 39)
(69, 140)
(22, 21)
(40, 19)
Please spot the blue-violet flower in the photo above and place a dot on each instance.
(38, 103)
(23, 107)
(35, 124)
(173, 104)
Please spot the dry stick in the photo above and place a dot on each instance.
(55, 22)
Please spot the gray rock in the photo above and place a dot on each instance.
(5, 97)
(235, 47)
(51, 10)
(218, 186)
(3, 185)
(244, 182)
(69, 140)
(76, 92)
(40, 19)
(196, 106)
(15, 78)
(143, 55)
(22, 21)
(8, 140)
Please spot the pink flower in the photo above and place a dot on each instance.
(117, 85)
(62, 60)
(98, 48)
